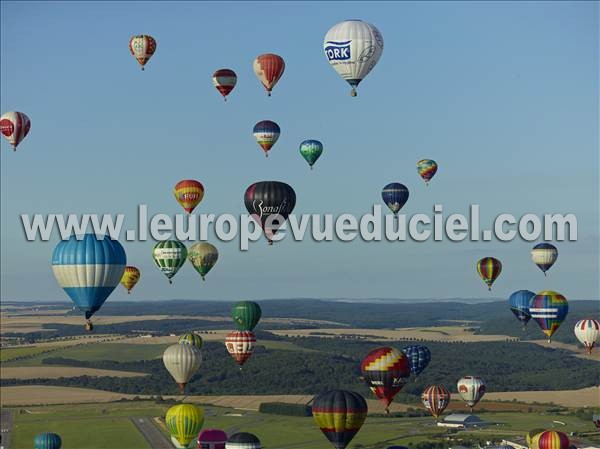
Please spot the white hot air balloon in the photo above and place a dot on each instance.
(588, 333)
(182, 362)
(353, 47)
(544, 255)
(471, 389)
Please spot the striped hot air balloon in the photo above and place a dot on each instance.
(188, 194)
(184, 421)
(88, 270)
(395, 196)
(142, 47)
(551, 439)
(385, 371)
(435, 398)
(471, 389)
(243, 440)
(14, 126)
(519, 303)
(311, 150)
(339, 414)
(266, 134)
(169, 256)
(269, 68)
(549, 309)
(182, 362)
(489, 268)
(246, 315)
(203, 256)
(588, 333)
(47, 440)
(130, 277)
(191, 338)
(544, 255)
(240, 345)
(427, 168)
(419, 357)
(224, 80)
(212, 439)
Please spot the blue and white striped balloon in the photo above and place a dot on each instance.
(419, 357)
(88, 269)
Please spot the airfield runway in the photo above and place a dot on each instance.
(5, 428)
(151, 433)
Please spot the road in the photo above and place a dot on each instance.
(6, 423)
(155, 438)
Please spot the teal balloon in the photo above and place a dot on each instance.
(311, 150)
(47, 440)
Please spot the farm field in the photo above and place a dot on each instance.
(54, 372)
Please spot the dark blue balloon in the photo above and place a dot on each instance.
(519, 304)
(419, 357)
(395, 195)
(47, 440)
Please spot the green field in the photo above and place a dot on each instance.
(7, 354)
(283, 345)
(107, 426)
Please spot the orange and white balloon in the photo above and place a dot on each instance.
(189, 193)
(142, 47)
(14, 126)
(269, 68)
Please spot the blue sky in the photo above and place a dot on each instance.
(503, 95)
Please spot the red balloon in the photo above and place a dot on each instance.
(269, 68)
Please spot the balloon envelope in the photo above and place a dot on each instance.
(243, 440)
(427, 168)
(266, 134)
(419, 357)
(549, 309)
(184, 421)
(551, 439)
(191, 338)
(142, 47)
(169, 256)
(14, 126)
(203, 256)
(311, 150)
(88, 269)
(188, 194)
(246, 315)
(435, 398)
(268, 69)
(395, 196)
(47, 440)
(489, 268)
(588, 333)
(385, 371)
(182, 362)
(339, 414)
(544, 255)
(270, 198)
(471, 389)
(240, 345)
(130, 277)
(212, 439)
(224, 80)
(519, 304)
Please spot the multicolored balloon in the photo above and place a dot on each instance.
(142, 47)
(588, 333)
(130, 277)
(529, 438)
(243, 440)
(203, 256)
(489, 268)
(435, 398)
(519, 305)
(14, 126)
(352, 48)
(427, 168)
(419, 357)
(471, 389)
(47, 440)
(88, 270)
(385, 371)
(266, 198)
(395, 196)
(169, 256)
(549, 309)
(212, 439)
(240, 345)
(551, 439)
(266, 134)
(182, 362)
(191, 338)
(224, 80)
(544, 255)
(184, 421)
(339, 414)
(246, 315)
(188, 194)
(311, 150)
(269, 68)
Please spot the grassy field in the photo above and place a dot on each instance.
(7, 354)
(55, 372)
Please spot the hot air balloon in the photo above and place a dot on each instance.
(266, 134)
(596, 419)
(88, 270)
(311, 150)
(240, 345)
(549, 309)
(182, 362)
(531, 436)
(544, 255)
(169, 256)
(203, 256)
(212, 439)
(471, 389)
(385, 371)
(395, 196)
(14, 126)
(551, 439)
(353, 48)
(489, 268)
(435, 398)
(142, 47)
(184, 421)
(47, 440)
(224, 80)
(246, 315)
(269, 68)
(243, 440)
(519, 305)
(191, 338)
(339, 414)
(427, 169)
(419, 357)
(188, 194)
(588, 333)
(130, 277)
(270, 198)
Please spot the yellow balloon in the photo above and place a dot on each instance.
(184, 422)
(130, 277)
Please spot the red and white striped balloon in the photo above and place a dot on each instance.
(14, 126)
(269, 68)
(588, 332)
(240, 345)
(224, 80)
